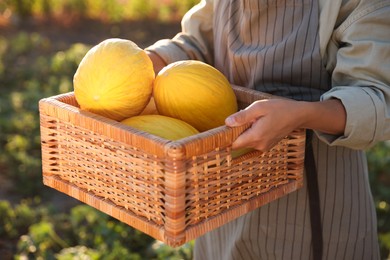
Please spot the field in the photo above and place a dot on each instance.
(41, 44)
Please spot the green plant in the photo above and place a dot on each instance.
(379, 165)
(28, 77)
(140, 9)
(163, 251)
(43, 233)
(22, 7)
(106, 10)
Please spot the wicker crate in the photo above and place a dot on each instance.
(174, 191)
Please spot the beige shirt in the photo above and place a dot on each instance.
(354, 42)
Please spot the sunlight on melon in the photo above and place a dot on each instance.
(194, 92)
(114, 79)
(166, 127)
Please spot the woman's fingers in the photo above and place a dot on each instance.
(271, 121)
(248, 115)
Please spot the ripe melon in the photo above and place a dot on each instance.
(114, 79)
(162, 126)
(194, 92)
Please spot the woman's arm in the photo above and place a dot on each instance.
(358, 58)
(158, 62)
(195, 41)
(355, 113)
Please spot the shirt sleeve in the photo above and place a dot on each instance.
(195, 41)
(361, 76)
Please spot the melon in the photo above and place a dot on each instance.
(114, 79)
(166, 127)
(194, 92)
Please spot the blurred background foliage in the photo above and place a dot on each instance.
(107, 10)
(37, 222)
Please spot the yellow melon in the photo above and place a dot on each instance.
(114, 79)
(194, 92)
(166, 127)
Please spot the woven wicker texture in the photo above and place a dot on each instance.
(174, 191)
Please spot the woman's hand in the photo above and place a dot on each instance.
(273, 119)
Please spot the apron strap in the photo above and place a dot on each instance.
(314, 198)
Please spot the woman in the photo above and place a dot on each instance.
(332, 58)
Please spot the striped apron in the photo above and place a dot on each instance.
(273, 46)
